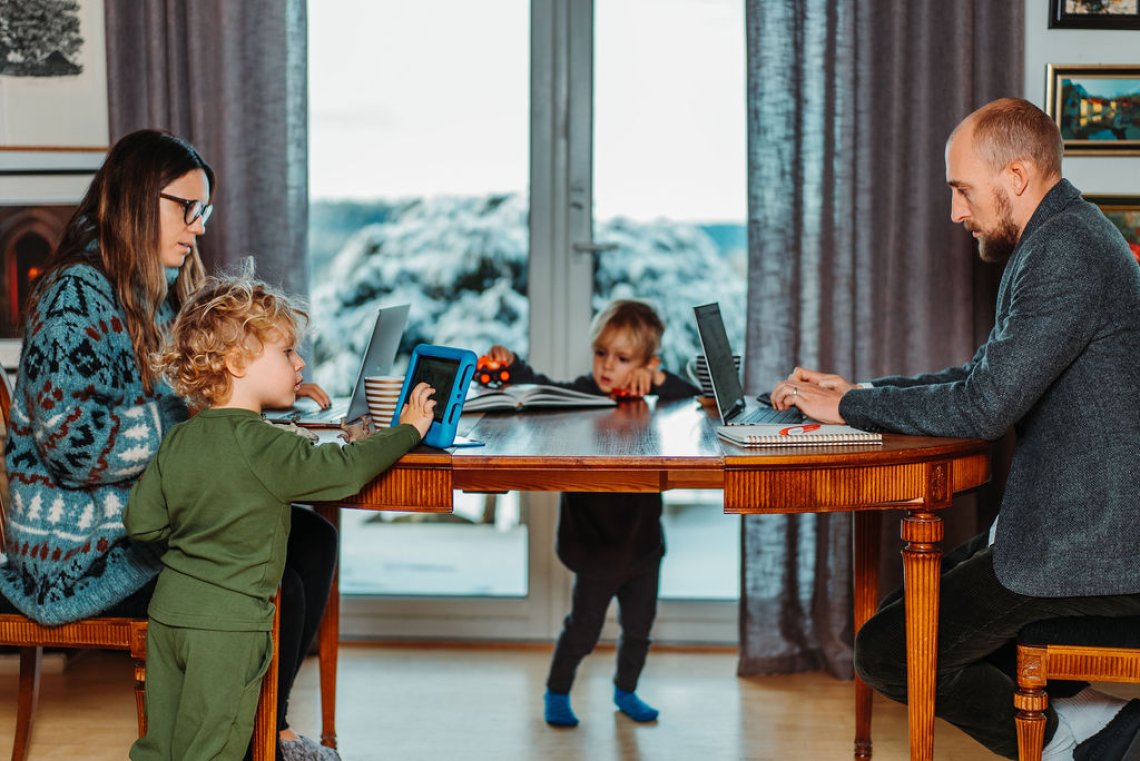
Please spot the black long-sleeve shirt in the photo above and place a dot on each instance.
(607, 534)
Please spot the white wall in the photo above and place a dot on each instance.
(1096, 175)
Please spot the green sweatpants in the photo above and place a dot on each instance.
(201, 693)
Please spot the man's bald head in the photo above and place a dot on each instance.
(1012, 129)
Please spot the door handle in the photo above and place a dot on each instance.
(593, 248)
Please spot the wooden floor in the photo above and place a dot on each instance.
(402, 703)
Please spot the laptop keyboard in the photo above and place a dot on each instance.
(768, 415)
(332, 415)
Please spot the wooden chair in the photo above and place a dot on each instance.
(1085, 649)
(109, 634)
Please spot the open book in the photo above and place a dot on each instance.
(518, 396)
(804, 434)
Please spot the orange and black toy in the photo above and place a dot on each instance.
(491, 373)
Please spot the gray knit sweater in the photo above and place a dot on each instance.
(1062, 367)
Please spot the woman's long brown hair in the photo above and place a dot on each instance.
(116, 229)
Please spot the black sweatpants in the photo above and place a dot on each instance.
(636, 594)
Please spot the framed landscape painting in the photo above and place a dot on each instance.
(53, 85)
(1094, 14)
(1124, 212)
(1097, 108)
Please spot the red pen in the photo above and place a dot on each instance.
(799, 430)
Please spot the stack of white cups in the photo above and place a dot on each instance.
(698, 371)
(382, 393)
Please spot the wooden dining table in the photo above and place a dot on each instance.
(654, 446)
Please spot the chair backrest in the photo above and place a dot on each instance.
(114, 633)
(5, 395)
(5, 408)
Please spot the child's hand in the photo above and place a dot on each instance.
(642, 380)
(418, 408)
(316, 393)
(502, 355)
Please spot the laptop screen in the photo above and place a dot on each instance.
(718, 354)
(378, 354)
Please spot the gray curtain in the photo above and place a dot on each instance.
(854, 265)
(230, 77)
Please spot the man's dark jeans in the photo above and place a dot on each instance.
(978, 622)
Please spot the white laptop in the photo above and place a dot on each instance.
(731, 403)
(377, 360)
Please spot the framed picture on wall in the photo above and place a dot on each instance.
(1124, 212)
(53, 86)
(1096, 107)
(1094, 14)
(29, 231)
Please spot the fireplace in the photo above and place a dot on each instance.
(28, 234)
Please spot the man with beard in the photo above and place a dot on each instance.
(1062, 367)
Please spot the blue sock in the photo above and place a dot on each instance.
(633, 706)
(558, 711)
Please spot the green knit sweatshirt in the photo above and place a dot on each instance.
(218, 493)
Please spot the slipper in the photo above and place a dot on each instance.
(1117, 740)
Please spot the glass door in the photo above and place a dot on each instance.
(419, 170)
(474, 159)
(660, 112)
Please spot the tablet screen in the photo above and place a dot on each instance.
(439, 374)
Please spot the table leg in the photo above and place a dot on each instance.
(329, 642)
(922, 565)
(866, 547)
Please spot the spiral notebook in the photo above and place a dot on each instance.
(805, 434)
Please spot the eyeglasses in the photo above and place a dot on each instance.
(192, 210)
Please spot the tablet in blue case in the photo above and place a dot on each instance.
(448, 371)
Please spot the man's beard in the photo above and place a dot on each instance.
(996, 245)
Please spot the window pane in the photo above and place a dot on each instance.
(418, 129)
(670, 191)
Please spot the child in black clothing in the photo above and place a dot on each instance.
(612, 542)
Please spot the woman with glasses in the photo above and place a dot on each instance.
(89, 412)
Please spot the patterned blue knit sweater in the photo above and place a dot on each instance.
(82, 431)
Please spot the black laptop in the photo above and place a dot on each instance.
(733, 406)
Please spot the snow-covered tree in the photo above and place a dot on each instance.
(462, 265)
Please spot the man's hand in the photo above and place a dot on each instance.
(814, 393)
(823, 380)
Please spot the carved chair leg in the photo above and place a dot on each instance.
(30, 659)
(1031, 700)
(140, 694)
(1030, 718)
(264, 741)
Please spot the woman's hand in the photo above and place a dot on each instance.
(502, 355)
(418, 408)
(316, 393)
